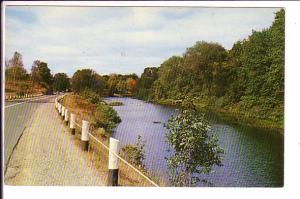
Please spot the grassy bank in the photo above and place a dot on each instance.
(98, 154)
(231, 116)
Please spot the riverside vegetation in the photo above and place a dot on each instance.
(246, 82)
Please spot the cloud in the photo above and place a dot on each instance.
(121, 39)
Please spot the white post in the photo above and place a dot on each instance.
(113, 167)
(72, 123)
(66, 116)
(85, 135)
(59, 108)
(62, 111)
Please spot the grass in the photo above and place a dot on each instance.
(98, 155)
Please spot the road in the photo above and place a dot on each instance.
(17, 117)
(39, 149)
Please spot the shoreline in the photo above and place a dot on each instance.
(227, 116)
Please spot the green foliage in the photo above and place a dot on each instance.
(61, 82)
(91, 96)
(115, 103)
(135, 154)
(193, 148)
(88, 79)
(249, 78)
(106, 117)
(41, 74)
(143, 87)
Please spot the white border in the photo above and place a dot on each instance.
(292, 134)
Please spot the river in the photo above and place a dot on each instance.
(253, 158)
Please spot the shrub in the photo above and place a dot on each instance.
(91, 96)
(106, 117)
(135, 154)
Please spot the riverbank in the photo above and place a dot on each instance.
(101, 116)
(230, 116)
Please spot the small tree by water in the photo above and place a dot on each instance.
(193, 148)
(135, 154)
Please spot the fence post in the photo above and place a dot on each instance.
(85, 135)
(113, 167)
(72, 123)
(63, 112)
(59, 108)
(66, 117)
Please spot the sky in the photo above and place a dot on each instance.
(121, 39)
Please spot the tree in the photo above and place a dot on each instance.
(41, 74)
(112, 84)
(44, 73)
(87, 79)
(61, 82)
(34, 72)
(135, 154)
(193, 149)
(15, 68)
(144, 84)
(130, 84)
(121, 87)
(203, 61)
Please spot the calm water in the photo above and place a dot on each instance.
(252, 157)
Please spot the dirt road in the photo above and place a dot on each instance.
(47, 154)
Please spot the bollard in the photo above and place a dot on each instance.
(72, 123)
(63, 112)
(113, 167)
(66, 117)
(59, 108)
(85, 135)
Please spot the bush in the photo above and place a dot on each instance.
(91, 96)
(248, 102)
(135, 154)
(106, 117)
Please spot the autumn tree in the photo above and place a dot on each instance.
(14, 69)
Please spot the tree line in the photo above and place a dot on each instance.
(40, 74)
(247, 78)
(82, 80)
